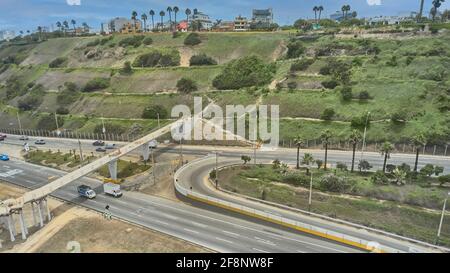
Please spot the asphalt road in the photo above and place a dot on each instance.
(215, 230)
(285, 155)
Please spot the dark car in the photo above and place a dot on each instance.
(98, 143)
(2, 137)
(39, 142)
(100, 150)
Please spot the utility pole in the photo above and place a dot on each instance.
(81, 152)
(364, 138)
(159, 125)
(20, 124)
(181, 151)
(103, 129)
(57, 126)
(217, 169)
(310, 192)
(442, 219)
(154, 166)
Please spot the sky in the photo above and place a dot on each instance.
(28, 14)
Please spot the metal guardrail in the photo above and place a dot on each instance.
(314, 230)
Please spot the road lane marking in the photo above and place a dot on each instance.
(230, 233)
(265, 241)
(190, 230)
(198, 224)
(161, 222)
(223, 240)
(260, 250)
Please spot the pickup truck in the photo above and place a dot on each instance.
(86, 191)
(112, 189)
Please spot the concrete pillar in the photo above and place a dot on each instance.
(49, 216)
(112, 166)
(10, 228)
(13, 223)
(41, 219)
(23, 226)
(145, 151)
(33, 210)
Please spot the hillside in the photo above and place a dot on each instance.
(404, 83)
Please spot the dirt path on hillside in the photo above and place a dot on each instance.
(185, 56)
(280, 51)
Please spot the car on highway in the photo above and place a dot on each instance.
(24, 138)
(100, 150)
(110, 146)
(40, 142)
(4, 157)
(99, 143)
(2, 137)
(86, 191)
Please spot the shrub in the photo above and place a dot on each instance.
(245, 72)
(333, 183)
(302, 65)
(134, 41)
(341, 166)
(62, 110)
(192, 39)
(158, 59)
(152, 112)
(390, 168)
(69, 95)
(364, 165)
(95, 42)
(328, 114)
(111, 128)
(427, 170)
(295, 49)
(96, 84)
(296, 179)
(331, 84)
(292, 85)
(58, 62)
(346, 93)
(409, 60)
(444, 179)
(379, 178)
(126, 69)
(29, 103)
(360, 122)
(147, 41)
(392, 62)
(398, 117)
(48, 122)
(201, 59)
(186, 85)
(364, 95)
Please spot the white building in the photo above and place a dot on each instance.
(202, 18)
(7, 35)
(388, 20)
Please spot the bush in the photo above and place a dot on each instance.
(126, 69)
(292, 85)
(295, 49)
(444, 179)
(346, 93)
(328, 114)
(58, 62)
(111, 128)
(186, 85)
(333, 183)
(153, 111)
(296, 179)
(62, 111)
(158, 59)
(134, 41)
(331, 84)
(341, 166)
(96, 84)
(192, 39)
(29, 103)
(364, 95)
(379, 178)
(69, 95)
(245, 72)
(48, 122)
(147, 41)
(364, 165)
(392, 62)
(302, 65)
(360, 122)
(201, 59)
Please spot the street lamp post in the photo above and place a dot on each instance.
(442, 219)
(217, 170)
(310, 192)
(364, 137)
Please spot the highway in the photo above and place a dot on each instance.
(283, 154)
(220, 232)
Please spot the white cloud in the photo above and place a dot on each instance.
(374, 2)
(73, 2)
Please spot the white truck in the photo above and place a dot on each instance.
(112, 189)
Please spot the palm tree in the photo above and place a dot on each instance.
(386, 150)
(134, 15)
(298, 141)
(419, 16)
(85, 26)
(307, 160)
(175, 11)
(326, 138)
(345, 9)
(169, 10)
(320, 9)
(354, 139)
(66, 27)
(187, 12)
(418, 141)
(315, 9)
(436, 5)
(152, 14)
(144, 18)
(73, 22)
(162, 14)
(59, 25)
